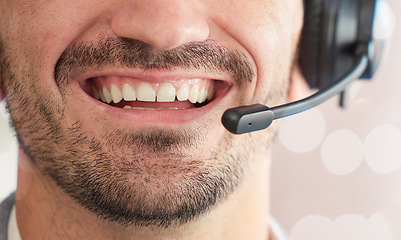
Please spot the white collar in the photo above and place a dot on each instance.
(13, 232)
(277, 231)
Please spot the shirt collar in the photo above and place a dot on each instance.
(13, 232)
(276, 231)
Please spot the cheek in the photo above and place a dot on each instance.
(274, 51)
(40, 30)
(266, 32)
(35, 34)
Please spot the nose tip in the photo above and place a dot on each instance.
(163, 24)
(173, 37)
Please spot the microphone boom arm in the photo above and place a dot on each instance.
(256, 117)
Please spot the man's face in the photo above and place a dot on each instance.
(155, 160)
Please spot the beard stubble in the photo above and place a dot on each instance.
(116, 179)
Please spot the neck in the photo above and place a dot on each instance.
(44, 211)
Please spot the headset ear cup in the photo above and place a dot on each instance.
(310, 42)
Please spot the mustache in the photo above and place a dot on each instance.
(122, 52)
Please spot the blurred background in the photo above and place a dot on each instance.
(336, 172)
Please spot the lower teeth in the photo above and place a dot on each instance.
(152, 109)
(126, 106)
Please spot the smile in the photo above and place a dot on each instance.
(176, 98)
(130, 93)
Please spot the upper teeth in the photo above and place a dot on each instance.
(146, 92)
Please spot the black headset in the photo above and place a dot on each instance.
(337, 46)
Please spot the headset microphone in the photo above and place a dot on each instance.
(256, 117)
(338, 44)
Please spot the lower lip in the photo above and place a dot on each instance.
(168, 116)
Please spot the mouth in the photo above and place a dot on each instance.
(129, 93)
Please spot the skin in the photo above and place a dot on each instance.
(171, 164)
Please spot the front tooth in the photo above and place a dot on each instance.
(107, 95)
(193, 93)
(145, 92)
(183, 92)
(166, 93)
(115, 93)
(128, 93)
